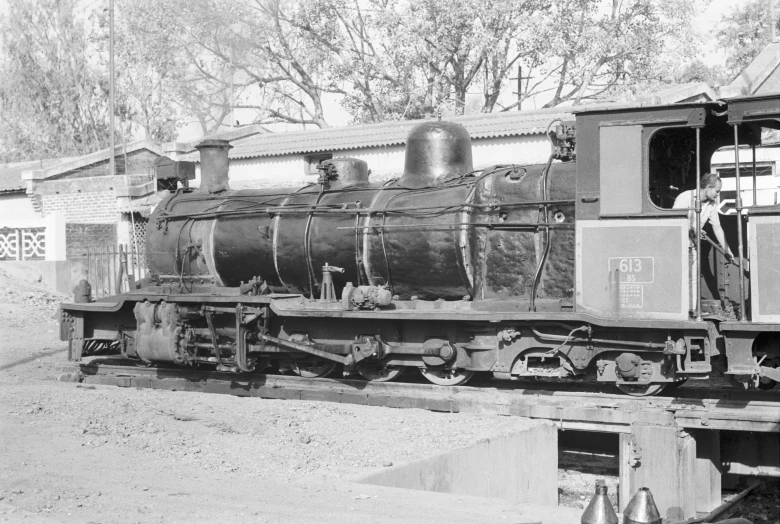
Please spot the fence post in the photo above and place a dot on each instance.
(99, 270)
(19, 250)
(111, 267)
(120, 288)
(89, 270)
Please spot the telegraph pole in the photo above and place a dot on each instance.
(520, 79)
(111, 164)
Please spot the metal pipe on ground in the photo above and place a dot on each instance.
(723, 508)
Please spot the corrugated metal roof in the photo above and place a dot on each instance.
(486, 125)
(63, 165)
(11, 174)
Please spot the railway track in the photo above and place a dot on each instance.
(570, 407)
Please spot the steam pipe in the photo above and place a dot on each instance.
(569, 338)
(540, 267)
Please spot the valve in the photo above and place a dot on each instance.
(328, 173)
(327, 293)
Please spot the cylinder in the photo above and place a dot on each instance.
(436, 151)
(214, 165)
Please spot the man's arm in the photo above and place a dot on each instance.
(719, 235)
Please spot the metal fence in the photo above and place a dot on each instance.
(113, 269)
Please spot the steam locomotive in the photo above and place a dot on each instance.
(575, 268)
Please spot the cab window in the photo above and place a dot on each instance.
(672, 164)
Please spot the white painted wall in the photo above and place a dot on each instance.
(16, 206)
(527, 149)
(278, 171)
(383, 161)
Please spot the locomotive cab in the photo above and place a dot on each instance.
(635, 256)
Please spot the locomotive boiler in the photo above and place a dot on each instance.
(568, 269)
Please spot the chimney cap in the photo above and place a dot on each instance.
(213, 142)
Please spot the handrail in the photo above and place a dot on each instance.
(738, 206)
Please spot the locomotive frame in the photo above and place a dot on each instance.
(573, 268)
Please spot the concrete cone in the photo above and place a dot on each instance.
(599, 511)
(641, 509)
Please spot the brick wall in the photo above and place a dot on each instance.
(81, 200)
(78, 185)
(79, 237)
(83, 208)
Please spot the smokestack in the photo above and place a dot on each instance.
(213, 165)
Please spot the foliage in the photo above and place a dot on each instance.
(53, 101)
(698, 71)
(161, 75)
(282, 59)
(602, 48)
(145, 80)
(54, 85)
(744, 33)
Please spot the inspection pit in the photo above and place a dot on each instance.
(518, 465)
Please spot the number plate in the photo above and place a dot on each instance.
(635, 270)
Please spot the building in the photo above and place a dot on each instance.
(26, 237)
(52, 211)
(761, 76)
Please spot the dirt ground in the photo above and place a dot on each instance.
(102, 454)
